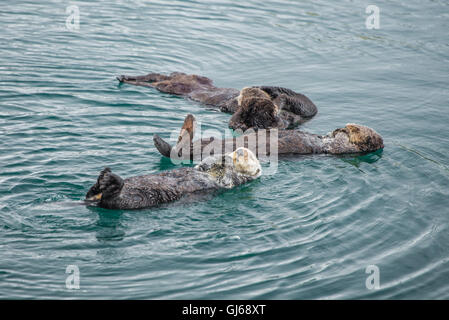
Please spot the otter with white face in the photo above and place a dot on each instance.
(233, 168)
(212, 174)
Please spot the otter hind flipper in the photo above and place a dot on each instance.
(110, 184)
(187, 130)
(107, 186)
(162, 146)
(185, 138)
(94, 192)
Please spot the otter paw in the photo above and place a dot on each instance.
(102, 173)
(109, 184)
(122, 78)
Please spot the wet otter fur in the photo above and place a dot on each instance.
(255, 107)
(191, 86)
(214, 173)
(353, 138)
(256, 110)
(270, 107)
(366, 139)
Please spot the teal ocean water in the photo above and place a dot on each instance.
(308, 232)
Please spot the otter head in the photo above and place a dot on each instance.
(245, 162)
(232, 169)
(251, 92)
(357, 138)
(256, 110)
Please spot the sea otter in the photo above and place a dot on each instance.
(353, 138)
(253, 107)
(212, 174)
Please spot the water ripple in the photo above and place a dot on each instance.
(308, 232)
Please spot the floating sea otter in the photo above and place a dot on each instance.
(214, 173)
(255, 107)
(353, 138)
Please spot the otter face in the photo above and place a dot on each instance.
(360, 137)
(256, 110)
(245, 162)
(248, 92)
(233, 168)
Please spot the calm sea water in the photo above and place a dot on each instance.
(308, 232)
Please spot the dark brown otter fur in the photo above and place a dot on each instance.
(214, 173)
(352, 138)
(366, 139)
(147, 190)
(256, 112)
(191, 86)
(276, 107)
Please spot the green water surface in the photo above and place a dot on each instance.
(307, 232)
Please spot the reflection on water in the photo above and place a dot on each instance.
(356, 160)
(108, 226)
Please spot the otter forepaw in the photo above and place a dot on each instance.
(122, 78)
